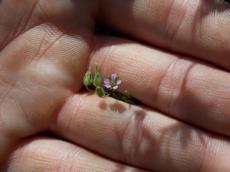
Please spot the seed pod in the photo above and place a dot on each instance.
(100, 92)
(97, 81)
(87, 81)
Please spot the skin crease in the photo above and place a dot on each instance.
(169, 63)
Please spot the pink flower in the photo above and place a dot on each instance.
(113, 82)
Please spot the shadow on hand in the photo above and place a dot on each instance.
(178, 131)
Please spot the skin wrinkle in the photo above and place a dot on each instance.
(173, 103)
(157, 97)
(213, 147)
(203, 161)
(42, 42)
(168, 13)
(30, 14)
(42, 12)
(47, 38)
(25, 114)
(74, 113)
(10, 86)
(69, 157)
(48, 47)
(216, 112)
(8, 36)
(173, 29)
(3, 98)
(202, 9)
(176, 90)
(12, 35)
(40, 157)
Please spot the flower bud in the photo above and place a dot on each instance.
(97, 81)
(100, 92)
(87, 79)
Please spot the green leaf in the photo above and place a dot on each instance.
(97, 81)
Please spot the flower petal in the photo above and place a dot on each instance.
(107, 85)
(119, 82)
(106, 81)
(115, 87)
(114, 76)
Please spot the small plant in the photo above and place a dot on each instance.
(106, 87)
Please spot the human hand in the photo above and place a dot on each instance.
(181, 88)
(45, 47)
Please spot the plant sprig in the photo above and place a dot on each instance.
(106, 87)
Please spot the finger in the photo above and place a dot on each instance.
(45, 154)
(193, 92)
(41, 68)
(199, 28)
(140, 137)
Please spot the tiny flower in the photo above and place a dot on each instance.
(112, 83)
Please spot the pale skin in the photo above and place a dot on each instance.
(175, 61)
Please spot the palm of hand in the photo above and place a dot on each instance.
(43, 59)
(45, 49)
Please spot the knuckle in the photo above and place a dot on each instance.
(175, 16)
(173, 83)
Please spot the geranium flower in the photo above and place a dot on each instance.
(113, 82)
